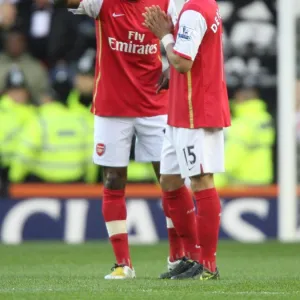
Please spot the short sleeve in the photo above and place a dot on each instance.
(192, 28)
(88, 7)
(172, 11)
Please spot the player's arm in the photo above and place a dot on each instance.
(163, 82)
(182, 53)
(81, 7)
(192, 28)
(181, 64)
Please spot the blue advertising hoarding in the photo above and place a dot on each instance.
(247, 219)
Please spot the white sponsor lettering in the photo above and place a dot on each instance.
(134, 35)
(141, 37)
(130, 47)
(15, 220)
(214, 27)
(237, 228)
(76, 221)
(140, 219)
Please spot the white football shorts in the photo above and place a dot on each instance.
(191, 152)
(113, 138)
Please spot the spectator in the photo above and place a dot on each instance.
(16, 54)
(8, 14)
(248, 148)
(14, 114)
(61, 81)
(52, 147)
(80, 100)
(82, 95)
(38, 23)
(70, 36)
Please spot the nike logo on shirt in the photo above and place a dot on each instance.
(191, 168)
(117, 15)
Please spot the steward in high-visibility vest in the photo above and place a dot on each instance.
(248, 144)
(80, 100)
(140, 172)
(15, 112)
(52, 147)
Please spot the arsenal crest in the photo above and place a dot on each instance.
(100, 149)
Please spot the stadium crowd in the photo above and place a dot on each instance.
(46, 83)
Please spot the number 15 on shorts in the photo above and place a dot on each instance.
(190, 156)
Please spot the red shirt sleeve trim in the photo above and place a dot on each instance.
(182, 55)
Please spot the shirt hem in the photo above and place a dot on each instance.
(200, 126)
(130, 115)
(182, 54)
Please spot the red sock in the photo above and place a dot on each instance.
(176, 250)
(208, 221)
(114, 213)
(175, 244)
(182, 212)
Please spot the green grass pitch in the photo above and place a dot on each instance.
(58, 271)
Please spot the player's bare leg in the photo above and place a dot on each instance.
(178, 203)
(176, 250)
(115, 213)
(156, 168)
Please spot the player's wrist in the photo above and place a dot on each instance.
(167, 40)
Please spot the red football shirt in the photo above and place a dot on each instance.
(129, 62)
(199, 97)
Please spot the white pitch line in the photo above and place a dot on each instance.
(254, 293)
(53, 290)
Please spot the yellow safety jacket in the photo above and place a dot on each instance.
(53, 146)
(83, 111)
(140, 172)
(13, 116)
(74, 104)
(248, 146)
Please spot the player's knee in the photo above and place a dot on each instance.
(114, 179)
(202, 182)
(171, 182)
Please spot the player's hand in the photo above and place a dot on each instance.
(163, 82)
(157, 21)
